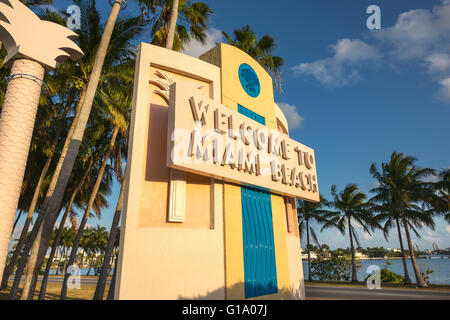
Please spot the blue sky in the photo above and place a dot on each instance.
(353, 94)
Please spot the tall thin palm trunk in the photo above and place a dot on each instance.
(88, 208)
(352, 249)
(60, 230)
(308, 250)
(36, 232)
(112, 286)
(17, 220)
(172, 24)
(15, 257)
(100, 289)
(405, 267)
(420, 282)
(41, 244)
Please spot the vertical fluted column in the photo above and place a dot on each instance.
(16, 128)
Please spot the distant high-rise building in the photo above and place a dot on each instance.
(435, 246)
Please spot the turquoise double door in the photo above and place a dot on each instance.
(260, 271)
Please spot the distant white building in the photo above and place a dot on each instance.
(313, 255)
(360, 255)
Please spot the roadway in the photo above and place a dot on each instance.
(355, 293)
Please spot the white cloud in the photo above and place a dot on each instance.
(421, 35)
(419, 32)
(195, 48)
(438, 63)
(343, 67)
(366, 236)
(445, 88)
(292, 116)
(447, 228)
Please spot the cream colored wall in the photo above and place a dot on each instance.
(160, 260)
(295, 267)
(287, 255)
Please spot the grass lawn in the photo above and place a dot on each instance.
(86, 292)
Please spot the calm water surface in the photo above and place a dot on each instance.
(441, 268)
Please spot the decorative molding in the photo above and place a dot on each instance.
(177, 196)
(162, 82)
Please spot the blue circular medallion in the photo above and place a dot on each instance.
(249, 80)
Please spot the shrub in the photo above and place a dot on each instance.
(335, 268)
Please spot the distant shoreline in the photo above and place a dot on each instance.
(394, 258)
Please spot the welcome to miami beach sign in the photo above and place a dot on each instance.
(211, 139)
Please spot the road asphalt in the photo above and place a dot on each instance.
(354, 293)
(337, 292)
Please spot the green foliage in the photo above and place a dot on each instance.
(392, 277)
(388, 276)
(426, 274)
(335, 268)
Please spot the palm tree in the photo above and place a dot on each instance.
(175, 22)
(439, 201)
(124, 32)
(29, 57)
(351, 205)
(68, 212)
(260, 50)
(90, 204)
(403, 188)
(100, 289)
(308, 212)
(382, 203)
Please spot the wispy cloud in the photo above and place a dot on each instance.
(343, 66)
(418, 35)
(294, 119)
(195, 48)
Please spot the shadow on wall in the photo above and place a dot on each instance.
(237, 290)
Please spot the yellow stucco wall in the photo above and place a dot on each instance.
(229, 58)
(202, 257)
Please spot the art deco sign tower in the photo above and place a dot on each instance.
(210, 200)
(33, 46)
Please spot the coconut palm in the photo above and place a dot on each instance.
(402, 188)
(439, 201)
(119, 124)
(68, 213)
(175, 22)
(260, 50)
(352, 210)
(112, 242)
(386, 213)
(308, 212)
(124, 32)
(29, 57)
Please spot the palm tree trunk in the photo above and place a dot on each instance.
(16, 129)
(90, 264)
(308, 250)
(36, 232)
(23, 235)
(43, 289)
(405, 267)
(60, 180)
(100, 289)
(112, 286)
(172, 24)
(352, 249)
(17, 220)
(88, 208)
(420, 282)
